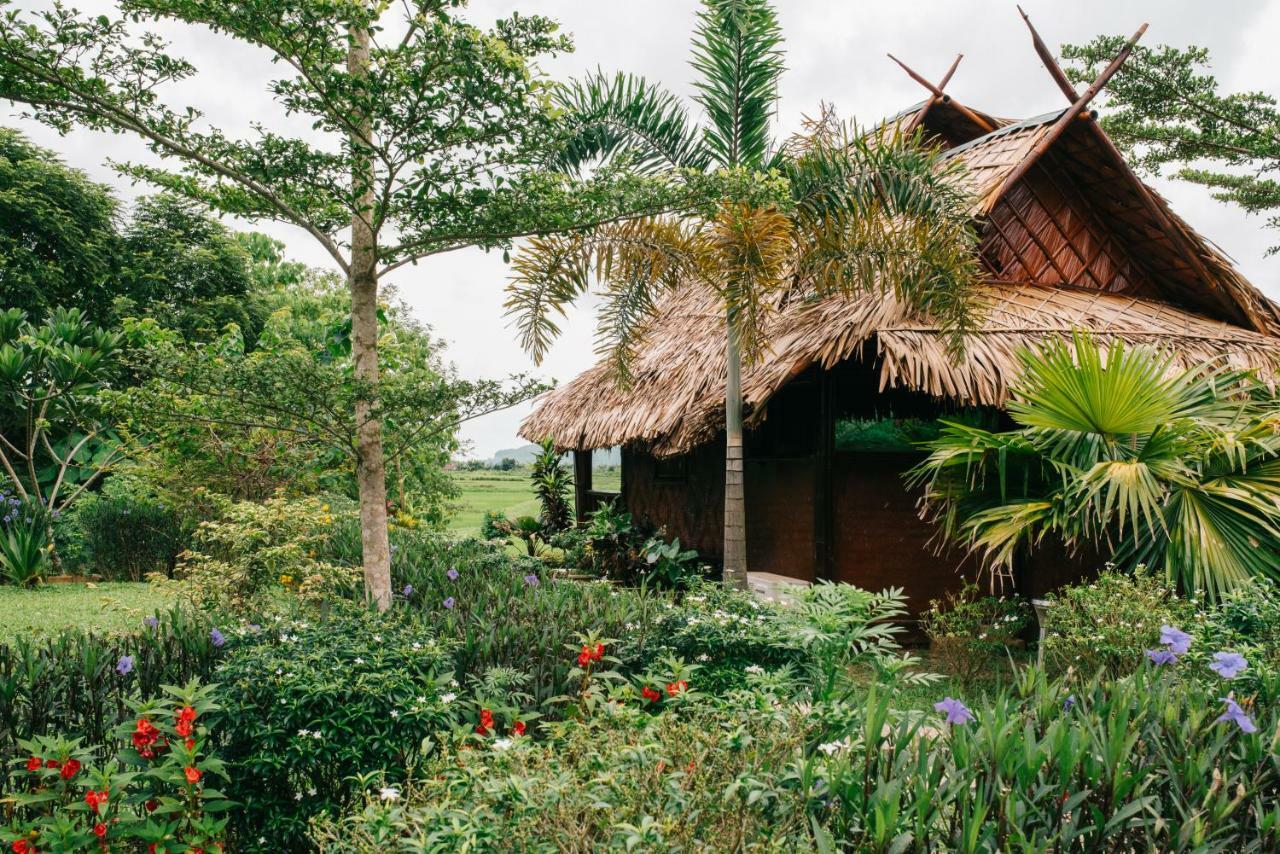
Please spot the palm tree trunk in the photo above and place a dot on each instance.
(371, 474)
(735, 502)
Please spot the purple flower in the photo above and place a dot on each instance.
(1161, 656)
(453, 573)
(1236, 715)
(1228, 664)
(957, 712)
(407, 591)
(1069, 703)
(531, 580)
(1177, 640)
(151, 622)
(449, 603)
(217, 638)
(125, 665)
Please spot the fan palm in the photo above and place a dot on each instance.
(1176, 470)
(829, 211)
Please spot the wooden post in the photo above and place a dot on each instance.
(581, 484)
(940, 95)
(824, 512)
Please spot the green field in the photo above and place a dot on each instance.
(507, 491)
(105, 607)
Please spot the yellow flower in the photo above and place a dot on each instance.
(324, 507)
(286, 580)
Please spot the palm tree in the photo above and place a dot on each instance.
(1175, 470)
(830, 211)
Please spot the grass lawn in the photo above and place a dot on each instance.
(507, 491)
(108, 607)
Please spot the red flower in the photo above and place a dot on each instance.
(190, 743)
(151, 849)
(22, 846)
(34, 764)
(650, 694)
(599, 653)
(182, 728)
(70, 768)
(99, 830)
(486, 718)
(152, 805)
(518, 728)
(193, 774)
(145, 735)
(51, 763)
(93, 799)
(676, 687)
(188, 714)
(480, 730)
(584, 657)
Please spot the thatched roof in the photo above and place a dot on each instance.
(1073, 245)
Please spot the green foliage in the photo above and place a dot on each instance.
(1109, 623)
(1129, 764)
(1180, 470)
(668, 566)
(68, 683)
(24, 546)
(968, 631)
(493, 524)
(551, 484)
(308, 707)
(56, 443)
(62, 802)
(1166, 108)
(252, 551)
(126, 534)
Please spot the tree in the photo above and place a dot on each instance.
(1167, 109)
(1175, 470)
(58, 241)
(422, 126)
(248, 423)
(55, 442)
(829, 212)
(551, 485)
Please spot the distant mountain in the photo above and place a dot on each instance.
(526, 453)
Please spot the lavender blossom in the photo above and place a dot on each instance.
(450, 602)
(956, 711)
(407, 591)
(531, 580)
(125, 665)
(1228, 664)
(151, 622)
(217, 638)
(1177, 640)
(453, 573)
(1237, 716)
(1161, 656)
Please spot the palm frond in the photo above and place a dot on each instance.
(737, 53)
(750, 249)
(622, 115)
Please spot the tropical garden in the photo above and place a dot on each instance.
(240, 612)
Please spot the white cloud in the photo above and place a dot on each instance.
(836, 53)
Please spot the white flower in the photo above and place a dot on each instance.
(389, 793)
(302, 733)
(448, 698)
(704, 657)
(359, 660)
(830, 747)
(417, 645)
(394, 713)
(453, 683)
(501, 744)
(298, 796)
(755, 669)
(317, 736)
(311, 791)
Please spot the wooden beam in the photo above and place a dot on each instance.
(1073, 113)
(1050, 63)
(946, 78)
(581, 485)
(942, 96)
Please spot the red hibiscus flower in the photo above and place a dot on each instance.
(99, 830)
(34, 764)
(182, 728)
(91, 798)
(70, 768)
(599, 652)
(676, 687)
(193, 774)
(650, 694)
(22, 846)
(486, 718)
(584, 657)
(518, 728)
(51, 763)
(186, 713)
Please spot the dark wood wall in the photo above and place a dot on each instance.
(814, 513)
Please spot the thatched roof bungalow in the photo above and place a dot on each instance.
(1070, 239)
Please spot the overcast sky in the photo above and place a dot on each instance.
(835, 52)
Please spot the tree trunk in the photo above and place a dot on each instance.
(735, 502)
(371, 474)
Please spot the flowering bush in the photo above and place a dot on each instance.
(967, 631)
(155, 793)
(257, 549)
(308, 706)
(1109, 623)
(80, 682)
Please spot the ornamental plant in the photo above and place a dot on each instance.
(968, 631)
(157, 792)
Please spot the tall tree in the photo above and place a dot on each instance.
(421, 124)
(1167, 109)
(829, 212)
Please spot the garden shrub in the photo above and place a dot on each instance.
(1147, 762)
(79, 683)
(24, 540)
(1109, 623)
(126, 537)
(255, 550)
(968, 632)
(503, 611)
(153, 792)
(308, 706)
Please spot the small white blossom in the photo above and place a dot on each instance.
(501, 744)
(389, 793)
(394, 713)
(359, 660)
(755, 669)
(448, 698)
